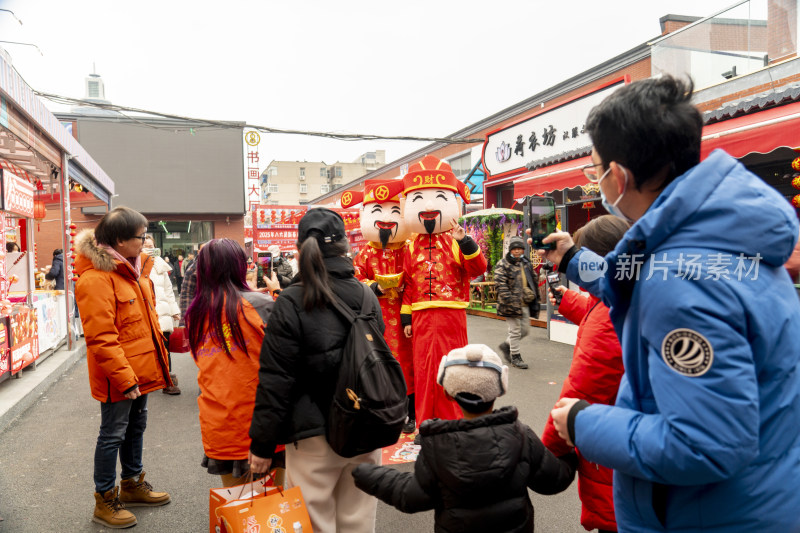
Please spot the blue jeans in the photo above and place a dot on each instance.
(122, 427)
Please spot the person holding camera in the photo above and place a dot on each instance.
(517, 299)
(704, 433)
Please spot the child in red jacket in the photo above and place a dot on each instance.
(594, 375)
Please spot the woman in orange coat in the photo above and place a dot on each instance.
(126, 356)
(226, 322)
(594, 375)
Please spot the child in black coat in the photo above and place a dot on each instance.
(474, 472)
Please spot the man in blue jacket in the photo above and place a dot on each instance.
(705, 433)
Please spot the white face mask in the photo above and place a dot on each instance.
(614, 208)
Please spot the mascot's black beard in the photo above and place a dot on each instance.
(430, 226)
(384, 234)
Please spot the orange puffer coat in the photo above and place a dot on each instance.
(228, 384)
(124, 344)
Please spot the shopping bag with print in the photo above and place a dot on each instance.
(278, 510)
(218, 497)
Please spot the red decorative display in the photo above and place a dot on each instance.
(24, 329)
(796, 164)
(796, 201)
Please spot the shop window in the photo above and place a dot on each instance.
(461, 165)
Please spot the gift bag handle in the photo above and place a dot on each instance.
(251, 480)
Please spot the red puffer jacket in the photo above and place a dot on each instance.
(594, 376)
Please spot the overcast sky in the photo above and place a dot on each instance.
(410, 67)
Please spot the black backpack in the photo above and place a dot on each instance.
(370, 401)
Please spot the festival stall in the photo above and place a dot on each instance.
(38, 158)
(18, 278)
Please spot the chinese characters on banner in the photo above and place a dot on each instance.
(252, 177)
(277, 224)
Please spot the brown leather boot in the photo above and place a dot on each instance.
(140, 493)
(173, 389)
(110, 511)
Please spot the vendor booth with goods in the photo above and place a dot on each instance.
(39, 159)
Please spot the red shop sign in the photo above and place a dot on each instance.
(17, 195)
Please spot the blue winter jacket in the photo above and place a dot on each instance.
(705, 433)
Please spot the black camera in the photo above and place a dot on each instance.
(553, 281)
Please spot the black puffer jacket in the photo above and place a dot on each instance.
(474, 473)
(57, 271)
(300, 360)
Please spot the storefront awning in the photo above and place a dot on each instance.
(76, 173)
(760, 132)
(548, 179)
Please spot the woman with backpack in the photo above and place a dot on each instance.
(226, 322)
(300, 359)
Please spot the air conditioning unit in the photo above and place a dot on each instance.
(302, 178)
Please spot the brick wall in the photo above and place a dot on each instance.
(782, 16)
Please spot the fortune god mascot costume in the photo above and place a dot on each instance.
(380, 265)
(439, 263)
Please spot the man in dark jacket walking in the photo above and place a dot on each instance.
(512, 302)
(474, 472)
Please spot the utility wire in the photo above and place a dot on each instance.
(225, 124)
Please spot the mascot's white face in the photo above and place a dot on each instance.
(431, 210)
(383, 223)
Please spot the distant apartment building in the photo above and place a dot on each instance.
(298, 182)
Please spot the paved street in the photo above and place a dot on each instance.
(46, 455)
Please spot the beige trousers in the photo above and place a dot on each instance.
(334, 503)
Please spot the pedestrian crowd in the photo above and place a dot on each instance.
(679, 411)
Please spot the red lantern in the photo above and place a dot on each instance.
(796, 201)
(39, 210)
(796, 182)
(796, 164)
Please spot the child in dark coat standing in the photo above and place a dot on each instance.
(474, 472)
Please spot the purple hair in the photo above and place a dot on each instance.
(221, 269)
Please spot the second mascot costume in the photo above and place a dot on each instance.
(380, 265)
(437, 272)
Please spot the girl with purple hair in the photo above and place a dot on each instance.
(226, 322)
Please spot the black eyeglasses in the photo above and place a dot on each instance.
(140, 237)
(590, 171)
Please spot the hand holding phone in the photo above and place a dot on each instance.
(541, 213)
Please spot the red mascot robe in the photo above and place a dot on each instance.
(437, 270)
(374, 261)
